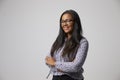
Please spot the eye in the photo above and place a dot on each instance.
(69, 20)
(66, 21)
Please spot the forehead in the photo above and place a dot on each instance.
(66, 16)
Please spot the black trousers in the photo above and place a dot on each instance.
(63, 77)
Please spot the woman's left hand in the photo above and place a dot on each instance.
(50, 61)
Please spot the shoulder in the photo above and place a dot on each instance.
(83, 40)
(84, 45)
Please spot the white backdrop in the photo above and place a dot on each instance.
(29, 27)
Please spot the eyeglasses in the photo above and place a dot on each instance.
(68, 21)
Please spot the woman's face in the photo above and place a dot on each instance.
(67, 23)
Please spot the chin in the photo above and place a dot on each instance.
(66, 31)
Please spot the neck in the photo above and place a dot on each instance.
(68, 36)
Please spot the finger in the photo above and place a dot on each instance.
(47, 57)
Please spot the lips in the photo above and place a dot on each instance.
(66, 28)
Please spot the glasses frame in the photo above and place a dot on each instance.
(68, 21)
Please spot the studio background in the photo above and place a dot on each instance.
(29, 27)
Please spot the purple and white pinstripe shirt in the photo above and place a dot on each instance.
(74, 68)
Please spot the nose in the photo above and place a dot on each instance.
(65, 23)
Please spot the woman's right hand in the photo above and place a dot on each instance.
(50, 61)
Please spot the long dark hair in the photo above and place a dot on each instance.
(71, 45)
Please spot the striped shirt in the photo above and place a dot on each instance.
(74, 68)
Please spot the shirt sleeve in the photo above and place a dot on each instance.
(75, 65)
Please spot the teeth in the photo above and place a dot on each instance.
(66, 28)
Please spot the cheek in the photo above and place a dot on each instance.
(62, 27)
(71, 26)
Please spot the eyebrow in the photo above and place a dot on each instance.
(66, 19)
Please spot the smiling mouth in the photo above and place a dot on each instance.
(65, 28)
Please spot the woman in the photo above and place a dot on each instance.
(69, 50)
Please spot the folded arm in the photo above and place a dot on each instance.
(75, 65)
